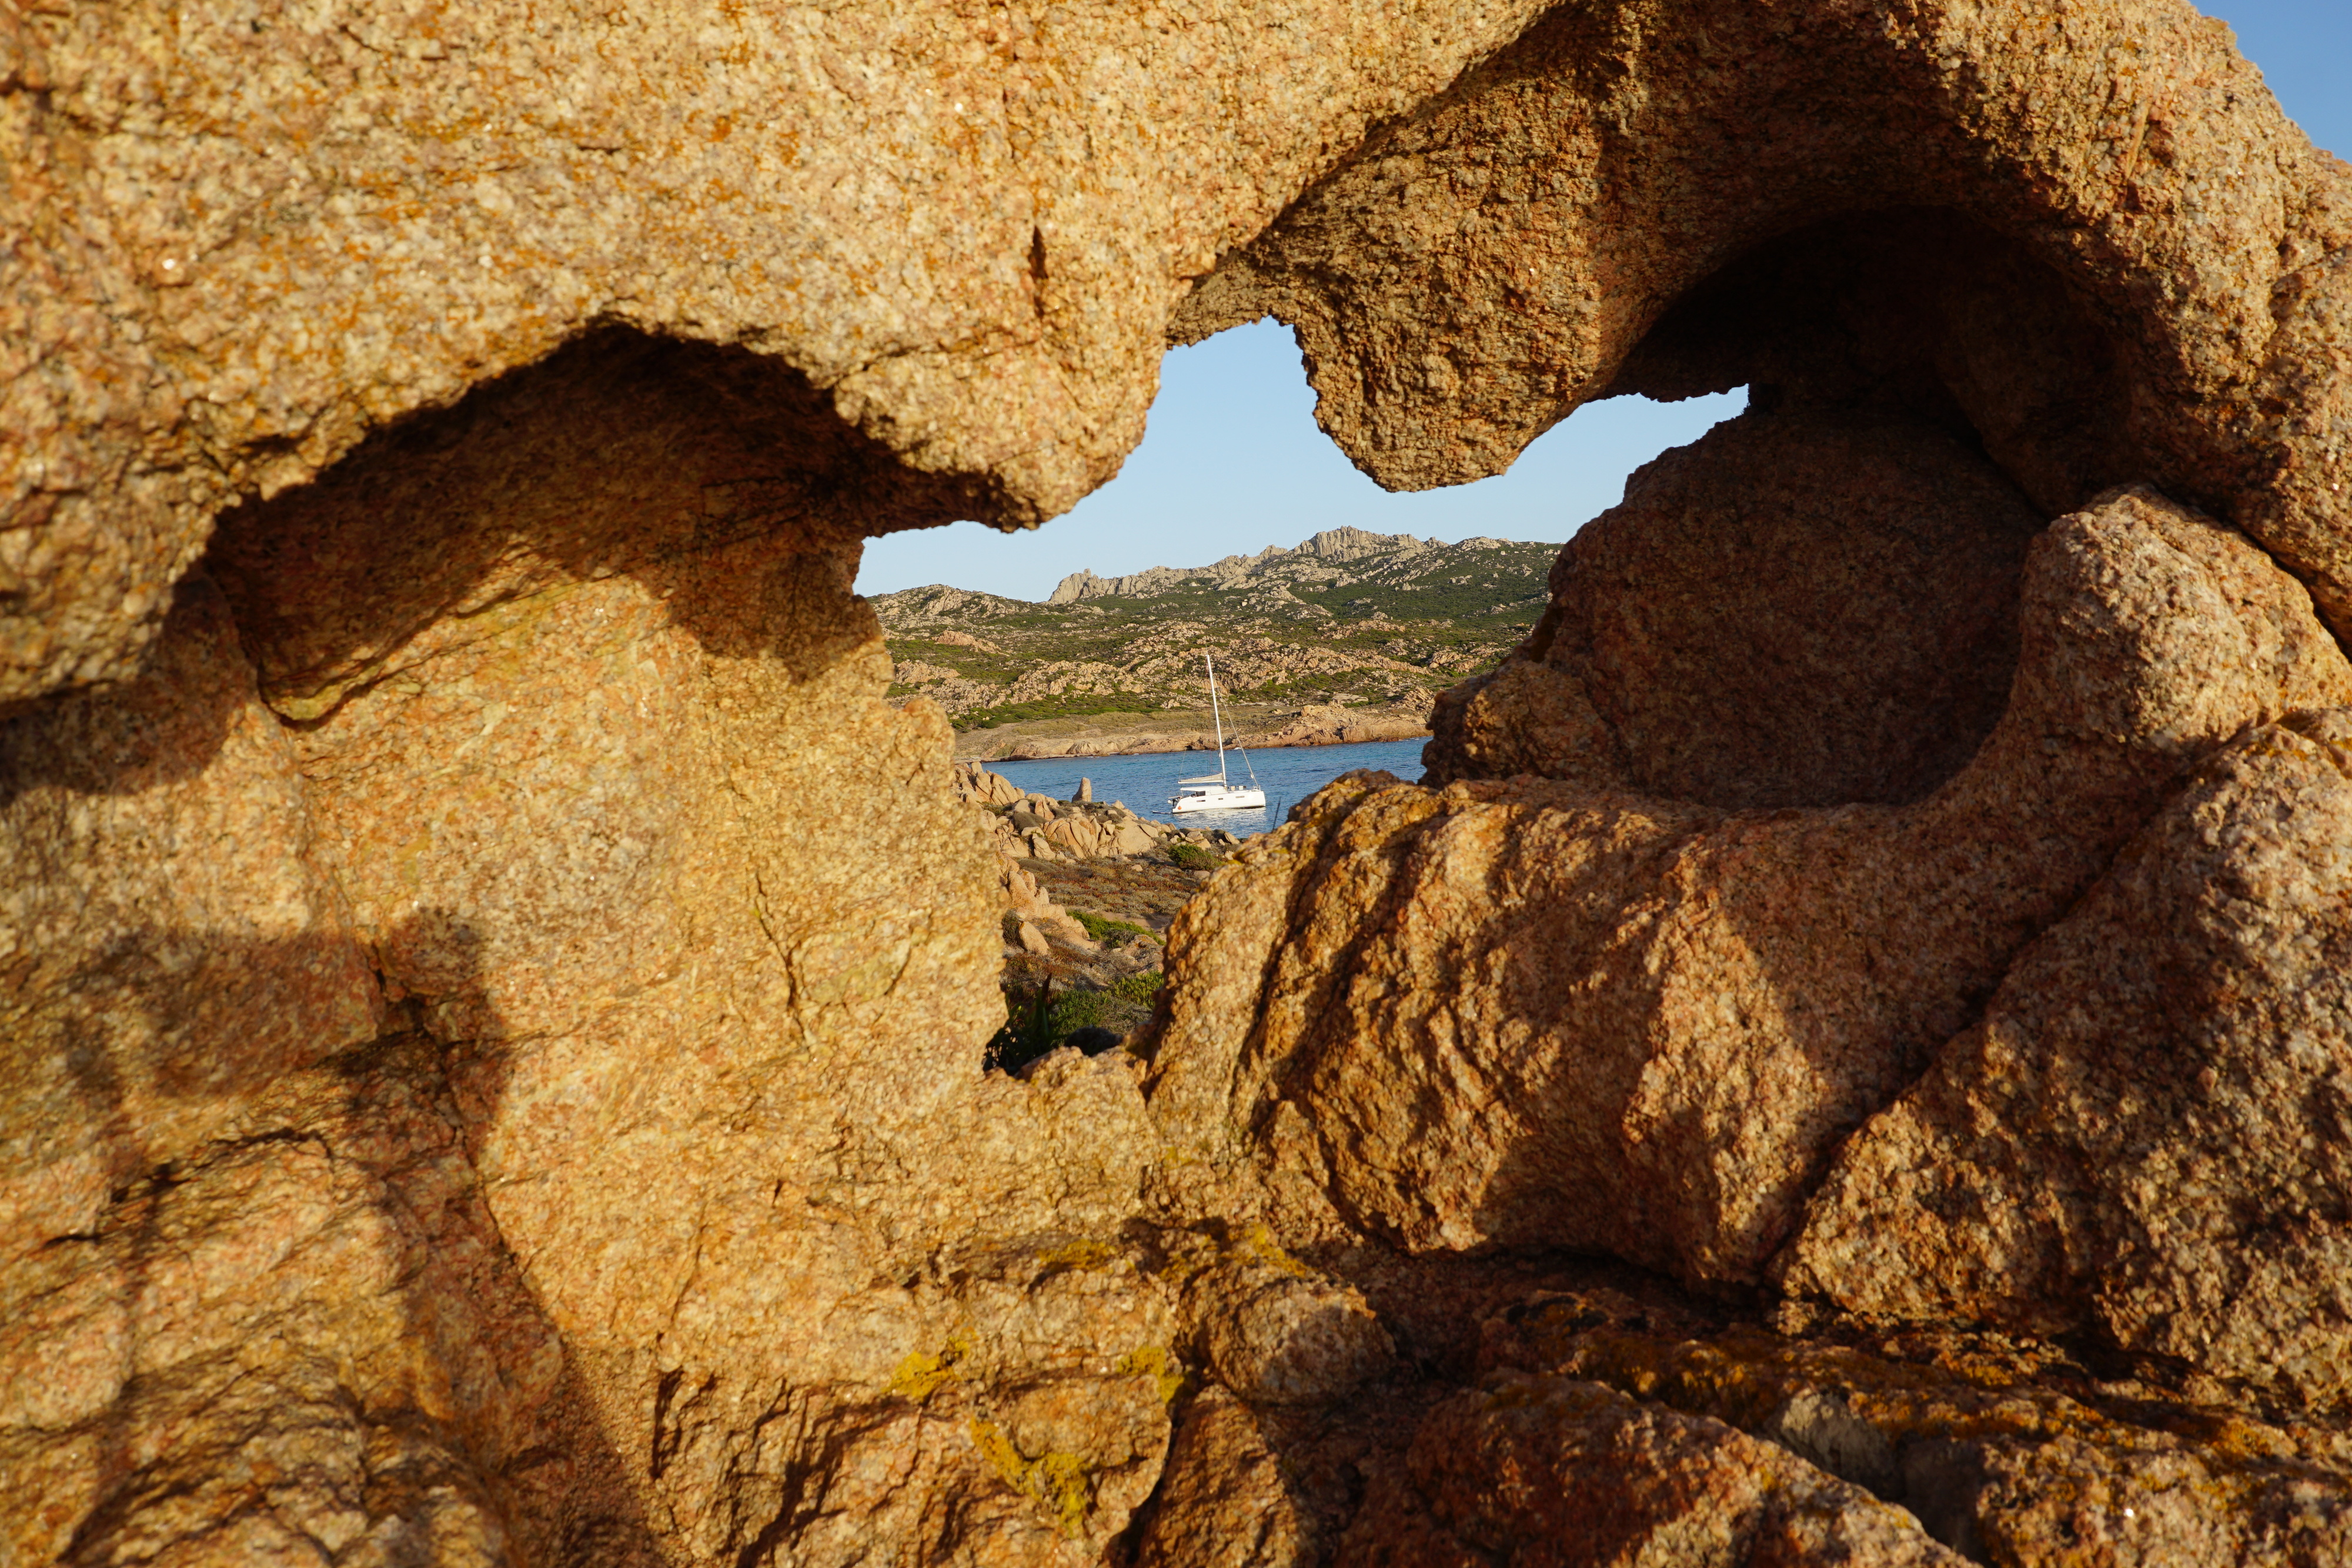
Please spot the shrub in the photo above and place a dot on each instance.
(1191, 857)
(1080, 1010)
(1103, 928)
(1139, 988)
(1039, 1021)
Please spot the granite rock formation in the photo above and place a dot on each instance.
(1873, 674)
(2086, 236)
(1902, 873)
(1655, 1041)
(493, 997)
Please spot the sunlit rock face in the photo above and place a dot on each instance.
(495, 989)
(1572, 1011)
(493, 1000)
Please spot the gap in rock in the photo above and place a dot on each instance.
(1816, 602)
(1232, 461)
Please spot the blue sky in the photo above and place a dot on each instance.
(1233, 462)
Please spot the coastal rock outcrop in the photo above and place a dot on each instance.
(494, 998)
(1656, 1042)
(1329, 724)
(2141, 1135)
(1026, 825)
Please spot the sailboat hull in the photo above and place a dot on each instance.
(1219, 797)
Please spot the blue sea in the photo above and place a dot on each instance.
(1146, 782)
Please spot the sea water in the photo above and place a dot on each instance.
(1147, 781)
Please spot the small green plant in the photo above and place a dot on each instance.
(1103, 928)
(1191, 857)
(1081, 1009)
(1041, 1021)
(1139, 988)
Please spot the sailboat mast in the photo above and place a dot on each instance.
(1217, 716)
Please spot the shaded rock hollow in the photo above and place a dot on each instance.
(477, 1096)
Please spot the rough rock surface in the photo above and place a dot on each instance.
(1276, 1333)
(1654, 1044)
(1224, 1503)
(1514, 1473)
(247, 246)
(2006, 1451)
(494, 998)
(1796, 610)
(2087, 232)
(518, 818)
(2145, 1133)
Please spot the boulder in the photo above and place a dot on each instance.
(1276, 1333)
(1681, 659)
(2127, 1142)
(977, 784)
(1135, 838)
(1579, 1473)
(1656, 1046)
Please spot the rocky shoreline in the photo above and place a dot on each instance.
(1089, 889)
(1259, 729)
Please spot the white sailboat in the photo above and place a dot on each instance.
(1215, 791)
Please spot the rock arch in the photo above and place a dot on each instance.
(493, 1000)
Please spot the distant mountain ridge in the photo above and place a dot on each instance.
(1329, 548)
(1347, 621)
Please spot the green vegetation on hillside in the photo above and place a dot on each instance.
(1347, 618)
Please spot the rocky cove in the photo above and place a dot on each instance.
(1367, 628)
(1839, 1055)
(1124, 874)
(1261, 726)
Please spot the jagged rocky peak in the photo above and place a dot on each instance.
(938, 602)
(1332, 547)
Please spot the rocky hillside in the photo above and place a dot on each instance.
(1349, 618)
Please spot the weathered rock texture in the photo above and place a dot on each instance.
(244, 245)
(2087, 232)
(1535, 1012)
(448, 969)
(1904, 871)
(2146, 1133)
(493, 999)
(1516, 1465)
(1797, 609)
